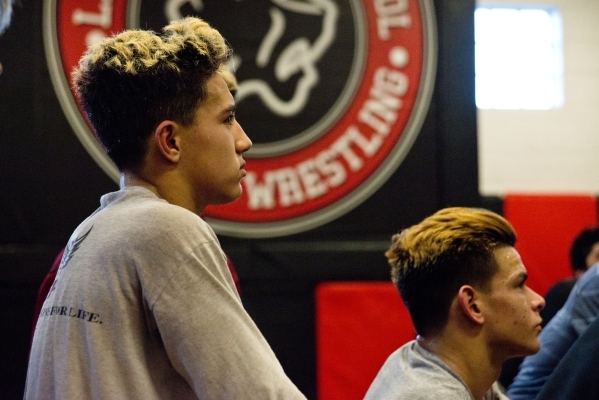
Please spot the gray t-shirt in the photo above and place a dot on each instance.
(144, 307)
(412, 373)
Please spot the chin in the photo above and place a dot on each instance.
(532, 348)
(230, 197)
(536, 348)
(525, 349)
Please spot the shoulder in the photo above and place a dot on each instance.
(169, 216)
(575, 376)
(170, 226)
(589, 281)
(411, 373)
(150, 226)
(584, 299)
(137, 208)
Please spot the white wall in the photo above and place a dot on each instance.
(554, 151)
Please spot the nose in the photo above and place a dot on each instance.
(537, 301)
(242, 141)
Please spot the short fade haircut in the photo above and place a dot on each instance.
(581, 247)
(430, 261)
(129, 83)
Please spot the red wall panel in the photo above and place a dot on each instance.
(546, 226)
(358, 325)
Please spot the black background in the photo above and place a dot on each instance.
(49, 184)
(245, 34)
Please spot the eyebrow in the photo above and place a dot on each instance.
(228, 111)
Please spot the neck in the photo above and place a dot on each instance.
(467, 356)
(129, 179)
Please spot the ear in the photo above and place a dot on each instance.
(469, 299)
(167, 140)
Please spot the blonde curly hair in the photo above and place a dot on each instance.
(130, 82)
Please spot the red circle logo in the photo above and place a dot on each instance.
(332, 95)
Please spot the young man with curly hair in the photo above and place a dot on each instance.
(143, 305)
(464, 285)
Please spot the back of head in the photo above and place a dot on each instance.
(130, 82)
(430, 261)
(581, 247)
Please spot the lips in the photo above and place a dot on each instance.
(539, 327)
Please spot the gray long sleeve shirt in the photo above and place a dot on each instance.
(144, 307)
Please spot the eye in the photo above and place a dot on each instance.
(229, 119)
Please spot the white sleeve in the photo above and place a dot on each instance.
(209, 337)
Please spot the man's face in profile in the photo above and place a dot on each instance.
(213, 146)
(512, 319)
